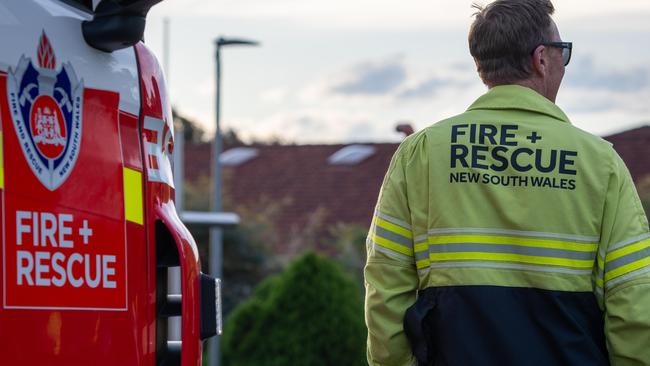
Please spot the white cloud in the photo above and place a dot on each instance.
(275, 95)
(585, 74)
(312, 125)
(372, 78)
(386, 79)
(604, 111)
(604, 99)
(206, 88)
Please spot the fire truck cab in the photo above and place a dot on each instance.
(88, 223)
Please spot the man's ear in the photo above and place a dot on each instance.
(540, 61)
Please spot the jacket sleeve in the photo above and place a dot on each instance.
(623, 272)
(390, 275)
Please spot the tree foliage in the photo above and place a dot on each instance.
(311, 315)
(195, 133)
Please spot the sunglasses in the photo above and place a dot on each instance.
(566, 49)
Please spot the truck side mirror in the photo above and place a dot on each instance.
(117, 24)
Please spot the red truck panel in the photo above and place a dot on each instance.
(74, 281)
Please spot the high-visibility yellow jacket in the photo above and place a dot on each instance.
(507, 236)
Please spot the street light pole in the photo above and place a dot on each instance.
(218, 138)
(217, 135)
(216, 233)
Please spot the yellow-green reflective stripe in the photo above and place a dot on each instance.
(627, 250)
(507, 257)
(133, 205)
(422, 259)
(599, 273)
(422, 247)
(628, 241)
(391, 253)
(597, 276)
(395, 238)
(422, 255)
(493, 239)
(628, 276)
(510, 249)
(631, 258)
(392, 227)
(2, 165)
(391, 245)
(620, 271)
(392, 219)
(476, 264)
(424, 263)
(519, 233)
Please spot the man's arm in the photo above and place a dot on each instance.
(623, 272)
(390, 275)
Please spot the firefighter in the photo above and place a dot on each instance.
(505, 235)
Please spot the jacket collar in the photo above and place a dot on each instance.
(518, 97)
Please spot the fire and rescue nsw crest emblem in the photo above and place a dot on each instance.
(46, 109)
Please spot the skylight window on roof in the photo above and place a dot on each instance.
(351, 155)
(237, 156)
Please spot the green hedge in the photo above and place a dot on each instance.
(311, 315)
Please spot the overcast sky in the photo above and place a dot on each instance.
(348, 70)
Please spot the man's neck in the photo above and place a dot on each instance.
(530, 84)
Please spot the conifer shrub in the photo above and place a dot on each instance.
(309, 315)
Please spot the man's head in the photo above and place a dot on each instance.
(507, 40)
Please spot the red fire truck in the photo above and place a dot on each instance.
(89, 226)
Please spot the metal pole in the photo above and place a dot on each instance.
(217, 136)
(216, 233)
(216, 245)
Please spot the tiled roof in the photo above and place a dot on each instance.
(197, 161)
(634, 148)
(300, 178)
